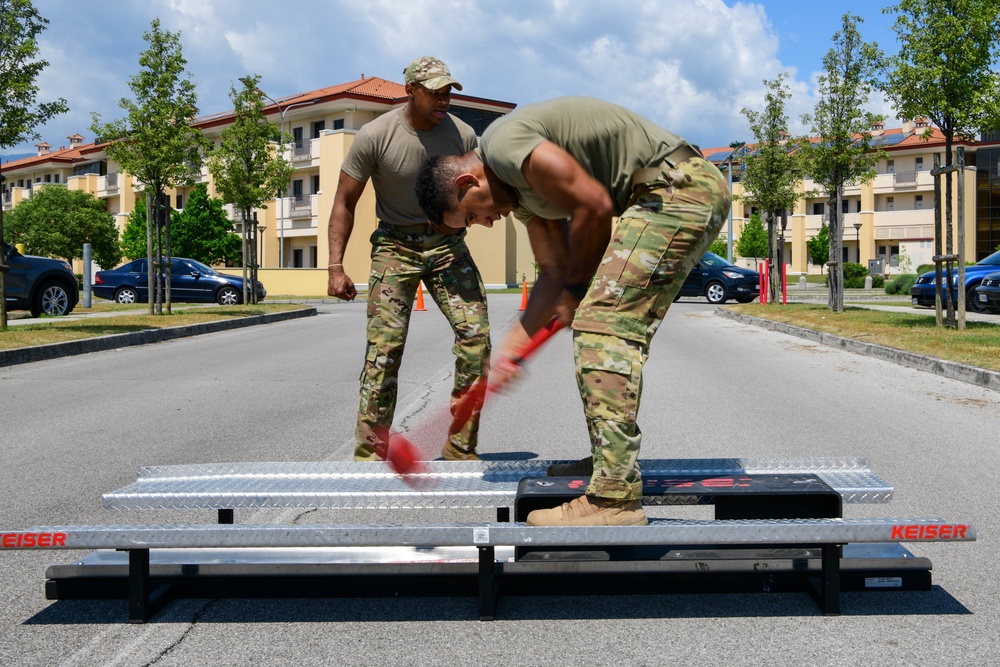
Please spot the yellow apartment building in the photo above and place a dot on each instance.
(321, 126)
(890, 218)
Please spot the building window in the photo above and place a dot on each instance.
(859, 206)
(920, 164)
(818, 208)
(890, 205)
(57, 178)
(48, 178)
(845, 206)
(919, 203)
(479, 119)
(313, 256)
(318, 127)
(180, 202)
(297, 136)
(99, 168)
(890, 166)
(297, 258)
(297, 189)
(338, 124)
(315, 184)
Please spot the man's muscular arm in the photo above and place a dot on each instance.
(559, 178)
(345, 201)
(567, 254)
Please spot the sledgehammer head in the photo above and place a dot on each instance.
(403, 457)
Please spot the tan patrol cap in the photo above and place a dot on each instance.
(430, 72)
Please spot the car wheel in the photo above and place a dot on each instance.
(715, 292)
(228, 296)
(972, 303)
(126, 295)
(51, 299)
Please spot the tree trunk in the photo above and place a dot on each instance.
(949, 248)
(168, 255)
(246, 221)
(772, 256)
(835, 275)
(3, 269)
(150, 268)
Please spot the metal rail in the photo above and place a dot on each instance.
(446, 485)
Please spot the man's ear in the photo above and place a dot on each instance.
(466, 180)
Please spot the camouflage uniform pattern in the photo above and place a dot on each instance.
(430, 72)
(400, 261)
(669, 224)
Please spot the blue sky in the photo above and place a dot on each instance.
(689, 65)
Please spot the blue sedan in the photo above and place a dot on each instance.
(190, 281)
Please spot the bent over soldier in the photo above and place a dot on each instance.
(406, 250)
(566, 168)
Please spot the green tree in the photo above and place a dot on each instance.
(247, 171)
(57, 221)
(753, 239)
(843, 154)
(20, 113)
(719, 246)
(772, 167)
(133, 241)
(819, 247)
(203, 231)
(946, 70)
(155, 142)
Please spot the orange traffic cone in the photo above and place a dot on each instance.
(524, 296)
(420, 297)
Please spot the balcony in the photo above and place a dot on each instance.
(904, 225)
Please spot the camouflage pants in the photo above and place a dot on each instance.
(656, 243)
(400, 261)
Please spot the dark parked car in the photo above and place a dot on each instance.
(190, 281)
(922, 292)
(40, 284)
(718, 280)
(988, 292)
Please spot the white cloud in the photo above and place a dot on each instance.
(690, 65)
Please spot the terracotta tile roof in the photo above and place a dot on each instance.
(368, 89)
(63, 155)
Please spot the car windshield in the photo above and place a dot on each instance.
(992, 260)
(711, 259)
(202, 268)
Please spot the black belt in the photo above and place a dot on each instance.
(408, 230)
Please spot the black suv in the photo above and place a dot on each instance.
(40, 284)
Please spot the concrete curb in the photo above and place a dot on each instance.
(26, 355)
(949, 369)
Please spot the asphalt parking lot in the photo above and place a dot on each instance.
(287, 391)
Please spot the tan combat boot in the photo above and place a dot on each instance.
(581, 468)
(591, 511)
(452, 453)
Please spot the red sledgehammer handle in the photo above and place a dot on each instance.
(477, 392)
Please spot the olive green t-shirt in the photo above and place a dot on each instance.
(389, 152)
(609, 141)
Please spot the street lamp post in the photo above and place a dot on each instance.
(735, 145)
(857, 231)
(260, 229)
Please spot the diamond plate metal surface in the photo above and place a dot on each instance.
(446, 484)
(658, 532)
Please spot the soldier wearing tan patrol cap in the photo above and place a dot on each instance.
(407, 250)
